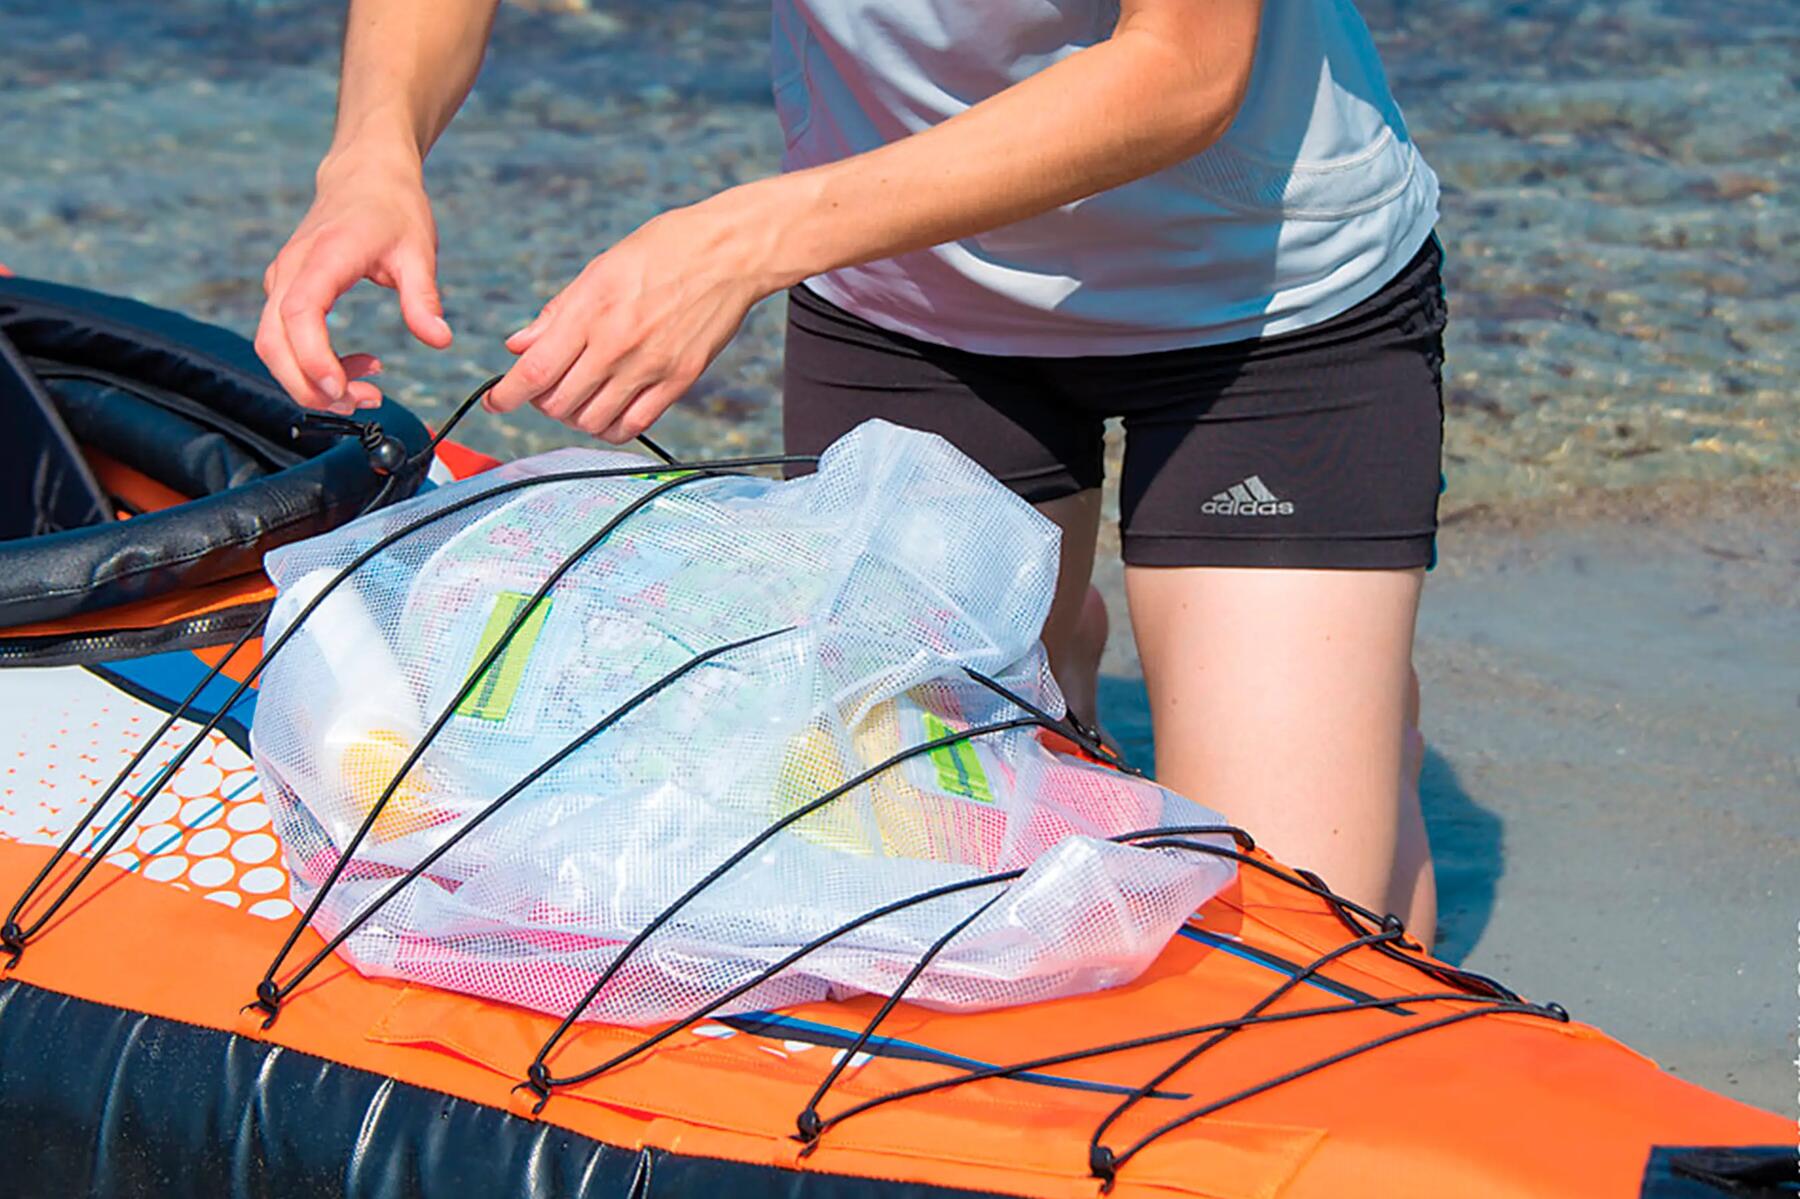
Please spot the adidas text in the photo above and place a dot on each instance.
(1249, 498)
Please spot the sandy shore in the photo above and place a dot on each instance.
(1612, 702)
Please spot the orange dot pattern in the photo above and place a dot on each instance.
(207, 831)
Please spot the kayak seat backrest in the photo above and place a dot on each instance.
(90, 380)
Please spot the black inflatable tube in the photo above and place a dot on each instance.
(216, 537)
(105, 1101)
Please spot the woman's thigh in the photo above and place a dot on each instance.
(1278, 697)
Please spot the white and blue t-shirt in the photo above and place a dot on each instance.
(1311, 201)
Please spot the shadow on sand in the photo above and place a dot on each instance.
(1466, 838)
(1468, 847)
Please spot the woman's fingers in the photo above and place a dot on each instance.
(372, 225)
(525, 338)
(608, 403)
(421, 307)
(361, 394)
(272, 347)
(357, 368)
(644, 409)
(292, 339)
(521, 341)
(538, 371)
(360, 366)
(631, 333)
(582, 384)
(302, 312)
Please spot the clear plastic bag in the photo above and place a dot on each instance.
(864, 594)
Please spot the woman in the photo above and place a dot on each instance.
(1005, 222)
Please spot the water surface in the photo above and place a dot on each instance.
(1618, 200)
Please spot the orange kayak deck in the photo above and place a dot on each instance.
(1499, 1105)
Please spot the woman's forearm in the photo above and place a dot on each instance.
(642, 320)
(1161, 89)
(408, 65)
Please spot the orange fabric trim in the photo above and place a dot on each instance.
(154, 613)
(131, 485)
(242, 662)
(461, 461)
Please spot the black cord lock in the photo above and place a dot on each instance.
(537, 1081)
(1102, 1164)
(267, 1001)
(386, 454)
(12, 941)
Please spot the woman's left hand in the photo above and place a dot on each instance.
(637, 327)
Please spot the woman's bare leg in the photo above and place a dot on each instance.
(1414, 894)
(1278, 697)
(1075, 633)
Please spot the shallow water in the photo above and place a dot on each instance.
(1624, 249)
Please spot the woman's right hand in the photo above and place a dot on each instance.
(367, 221)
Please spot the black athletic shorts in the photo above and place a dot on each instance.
(1316, 448)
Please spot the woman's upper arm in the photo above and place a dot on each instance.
(1217, 38)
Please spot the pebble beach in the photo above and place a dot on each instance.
(1622, 390)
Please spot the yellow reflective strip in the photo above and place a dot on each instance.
(493, 696)
(958, 766)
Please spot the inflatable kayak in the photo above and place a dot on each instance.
(1284, 1043)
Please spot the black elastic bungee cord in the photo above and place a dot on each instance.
(1068, 725)
(1346, 910)
(771, 971)
(807, 1123)
(539, 1079)
(1098, 1153)
(1107, 1171)
(1405, 950)
(875, 913)
(1105, 1162)
(668, 459)
(13, 938)
(268, 994)
(1013, 1069)
(475, 821)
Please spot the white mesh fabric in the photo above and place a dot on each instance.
(884, 575)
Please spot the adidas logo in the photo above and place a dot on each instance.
(1249, 498)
